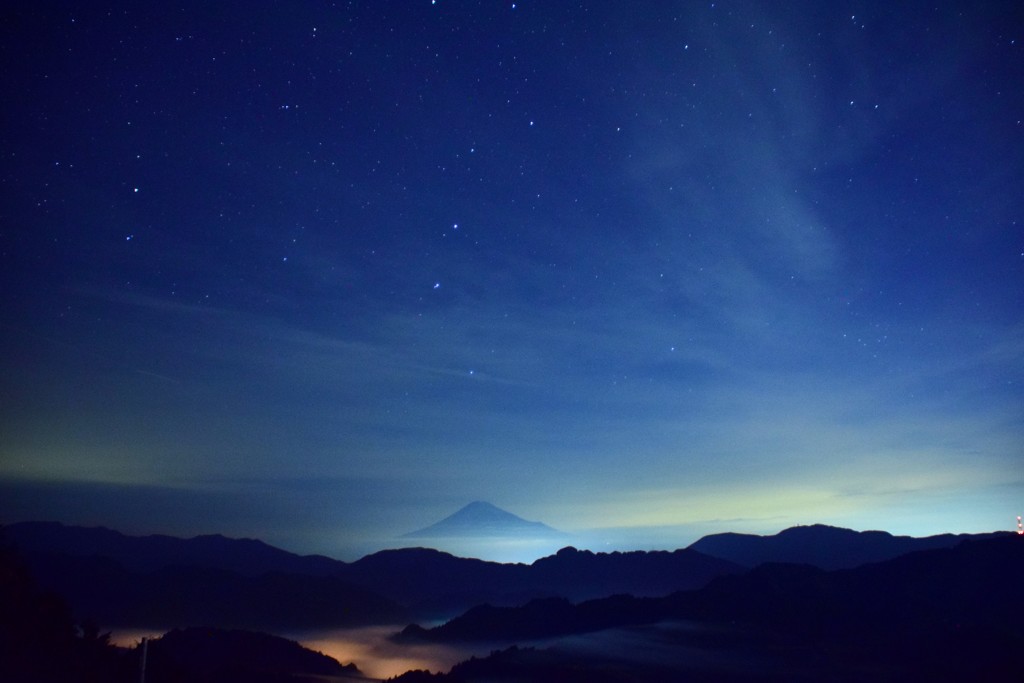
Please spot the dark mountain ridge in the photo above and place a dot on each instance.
(822, 546)
(245, 556)
(581, 574)
(102, 590)
(435, 582)
(948, 614)
(943, 588)
(225, 656)
(242, 583)
(165, 581)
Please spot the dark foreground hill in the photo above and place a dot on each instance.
(941, 615)
(211, 655)
(41, 642)
(102, 590)
(822, 546)
(162, 581)
(39, 637)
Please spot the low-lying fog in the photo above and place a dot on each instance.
(371, 649)
(675, 645)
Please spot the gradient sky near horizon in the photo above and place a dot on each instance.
(322, 273)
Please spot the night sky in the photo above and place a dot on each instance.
(322, 273)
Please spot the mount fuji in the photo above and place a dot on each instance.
(483, 520)
(485, 531)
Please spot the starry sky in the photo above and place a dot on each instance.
(323, 272)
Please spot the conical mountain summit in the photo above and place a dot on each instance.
(482, 519)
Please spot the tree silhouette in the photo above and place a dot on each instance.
(39, 639)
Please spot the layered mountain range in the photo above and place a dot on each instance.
(241, 583)
(164, 581)
(802, 604)
(947, 614)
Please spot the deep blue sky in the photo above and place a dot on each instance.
(321, 273)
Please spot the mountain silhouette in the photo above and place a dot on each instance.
(582, 574)
(245, 556)
(240, 583)
(946, 613)
(822, 546)
(481, 519)
(959, 585)
(162, 581)
(226, 656)
(949, 614)
(439, 584)
(103, 590)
